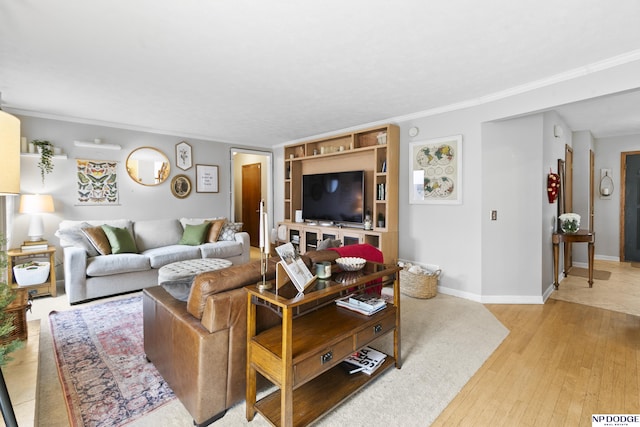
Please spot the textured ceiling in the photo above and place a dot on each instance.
(266, 72)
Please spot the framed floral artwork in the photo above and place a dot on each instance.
(183, 156)
(436, 171)
(206, 179)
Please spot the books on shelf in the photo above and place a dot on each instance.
(350, 368)
(295, 267)
(368, 359)
(34, 246)
(361, 306)
(367, 301)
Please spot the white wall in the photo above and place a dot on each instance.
(583, 142)
(511, 163)
(136, 201)
(453, 236)
(607, 211)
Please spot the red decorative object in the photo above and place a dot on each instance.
(553, 186)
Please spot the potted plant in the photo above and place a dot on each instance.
(380, 220)
(45, 148)
(7, 295)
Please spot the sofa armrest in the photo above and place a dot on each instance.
(243, 238)
(75, 273)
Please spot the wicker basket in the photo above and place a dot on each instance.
(18, 308)
(419, 285)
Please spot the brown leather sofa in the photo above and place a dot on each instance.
(199, 346)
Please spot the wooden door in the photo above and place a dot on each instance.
(629, 227)
(251, 196)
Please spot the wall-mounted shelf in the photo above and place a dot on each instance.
(96, 145)
(37, 155)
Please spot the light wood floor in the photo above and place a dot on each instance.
(561, 363)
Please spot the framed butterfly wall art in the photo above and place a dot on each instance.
(97, 183)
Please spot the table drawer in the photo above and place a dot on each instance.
(376, 330)
(322, 360)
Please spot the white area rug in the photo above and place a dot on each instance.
(444, 341)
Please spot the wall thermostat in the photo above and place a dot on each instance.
(413, 131)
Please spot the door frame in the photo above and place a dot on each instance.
(269, 180)
(623, 190)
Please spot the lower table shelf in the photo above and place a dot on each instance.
(320, 395)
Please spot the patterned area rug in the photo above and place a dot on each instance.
(105, 376)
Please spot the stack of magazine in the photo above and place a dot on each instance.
(362, 303)
(367, 360)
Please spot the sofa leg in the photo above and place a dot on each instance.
(216, 417)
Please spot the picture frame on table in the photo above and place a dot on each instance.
(183, 156)
(207, 179)
(180, 186)
(435, 168)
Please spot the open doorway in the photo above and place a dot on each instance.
(251, 181)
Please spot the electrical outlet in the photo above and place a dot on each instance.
(494, 215)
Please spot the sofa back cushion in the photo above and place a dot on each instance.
(68, 224)
(213, 282)
(150, 234)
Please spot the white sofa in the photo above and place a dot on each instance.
(88, 275)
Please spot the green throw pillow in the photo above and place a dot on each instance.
(120, 240)
(194, 235)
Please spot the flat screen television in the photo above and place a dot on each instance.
(337, 197)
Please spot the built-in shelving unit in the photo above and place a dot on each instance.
(376, 151)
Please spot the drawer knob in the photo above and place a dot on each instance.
(377, 329)
(326, 357)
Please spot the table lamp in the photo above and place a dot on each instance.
(36, 204)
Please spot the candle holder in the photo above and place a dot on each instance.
(264, 284)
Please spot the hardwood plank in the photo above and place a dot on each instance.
(561, 363)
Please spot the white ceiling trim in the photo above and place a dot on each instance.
(575, 73)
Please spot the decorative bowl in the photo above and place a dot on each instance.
(31, 273)
(351, 263)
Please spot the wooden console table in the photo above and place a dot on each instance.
(301, 356)
(582, 236)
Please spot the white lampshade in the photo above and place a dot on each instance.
(36, 204)
(9, 154)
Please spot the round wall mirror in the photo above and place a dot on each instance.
(148, 166)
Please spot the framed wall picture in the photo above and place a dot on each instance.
(206, 179)
(183, 156)
(181, 186)
(435, 166)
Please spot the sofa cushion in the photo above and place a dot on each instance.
(151, 234)
(215, 229)
(222, 249)
(120, 240)
(196, 221)
(172, 253)
(108, 265)
(229, 230)
(73, 236)
(194, 235)
(98, 239)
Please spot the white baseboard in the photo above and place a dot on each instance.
(495, 299)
